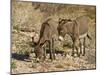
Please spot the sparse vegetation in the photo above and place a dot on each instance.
(13, 65)
(27, 18)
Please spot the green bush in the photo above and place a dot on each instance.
(13, 65)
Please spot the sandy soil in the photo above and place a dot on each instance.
(61, 63)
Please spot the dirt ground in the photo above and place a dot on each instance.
(62, 63)
(27, 18)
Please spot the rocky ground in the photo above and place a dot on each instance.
(27, 18)
(62, 63)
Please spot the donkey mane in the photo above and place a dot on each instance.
(64, 20)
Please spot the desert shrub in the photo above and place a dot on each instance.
(13, 65)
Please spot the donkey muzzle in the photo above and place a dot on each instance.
(60, 38)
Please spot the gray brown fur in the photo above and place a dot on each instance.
(47, 35)
(75, 28)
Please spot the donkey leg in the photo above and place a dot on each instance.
(50, 49)
(77, 47)
(44, 52)
(73, 48)
(53, 50)
(80, 43)
(84, 46)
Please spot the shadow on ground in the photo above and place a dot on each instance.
(19, 56)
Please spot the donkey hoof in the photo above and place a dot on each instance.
(83, 54)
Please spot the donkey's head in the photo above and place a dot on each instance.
(63, 26)
(39, 52)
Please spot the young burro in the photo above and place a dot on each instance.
(77, 29)
(48, 33)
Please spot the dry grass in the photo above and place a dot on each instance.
(27, 18)
(31, 15)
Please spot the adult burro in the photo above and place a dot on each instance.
(48, 33)
(77, 29)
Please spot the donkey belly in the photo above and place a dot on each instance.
(83, 30)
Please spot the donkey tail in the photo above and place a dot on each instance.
(89, 36)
